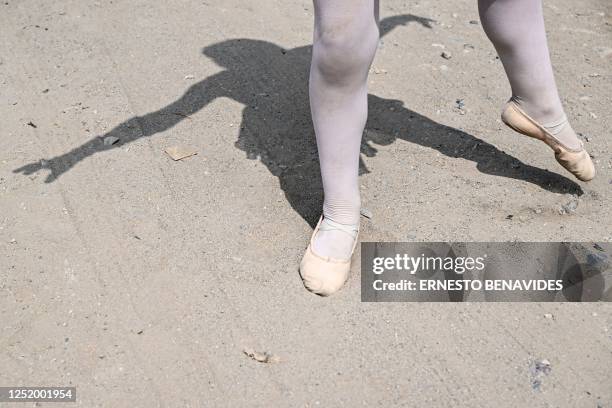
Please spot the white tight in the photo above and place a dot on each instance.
(345, 40)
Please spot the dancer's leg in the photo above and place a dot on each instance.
(345, 41)
(516, 29)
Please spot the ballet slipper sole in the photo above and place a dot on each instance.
(324, 275)
(577, 162)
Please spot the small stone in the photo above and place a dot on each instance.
(189, 76)
(261, 357)
(539, 369)
(446, 55)
(180, 152)
(543, 365)
(366, 213)
(549, 316)
(569, 207)
(110, 140)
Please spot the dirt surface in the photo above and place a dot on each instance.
(142, 280)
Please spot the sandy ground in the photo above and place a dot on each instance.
(140, 280)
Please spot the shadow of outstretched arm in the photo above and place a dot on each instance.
(390, 120)
(195, 98)
(240, 57)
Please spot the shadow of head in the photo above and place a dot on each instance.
(389, 23)
(242, 53)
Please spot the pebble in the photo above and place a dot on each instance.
(261, 357)
(539, 369)
(366, 213)
(543, 365)
(110, 140)
(446, 55)
(569, 207)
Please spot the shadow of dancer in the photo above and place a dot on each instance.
(272, 84)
